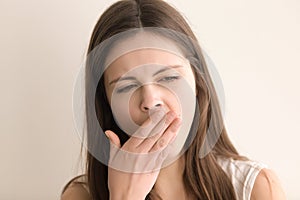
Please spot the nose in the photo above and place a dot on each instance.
(151, 98)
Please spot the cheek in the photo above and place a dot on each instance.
(189, 77)
(134, 109)
(174, 104)
(121, 109)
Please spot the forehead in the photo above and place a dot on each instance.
(141, 57)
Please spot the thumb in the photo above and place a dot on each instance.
(113, 138)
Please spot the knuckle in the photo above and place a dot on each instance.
(152, 139)
(161, 142)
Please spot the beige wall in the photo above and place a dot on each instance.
(254, 44)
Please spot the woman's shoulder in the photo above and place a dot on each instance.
(76, 189)
(267, 186)
(251, 179)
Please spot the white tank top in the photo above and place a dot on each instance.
(242, 175)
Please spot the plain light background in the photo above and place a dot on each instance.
(254, 44)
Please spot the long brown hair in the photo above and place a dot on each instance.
(203, 178)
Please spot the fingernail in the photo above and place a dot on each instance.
(106, 133)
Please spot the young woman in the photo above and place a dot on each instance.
(162, 134)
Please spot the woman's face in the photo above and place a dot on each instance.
(146, 78)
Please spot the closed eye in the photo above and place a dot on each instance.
(169, 79)
(126, 88)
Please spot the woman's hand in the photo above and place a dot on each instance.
(134, 167)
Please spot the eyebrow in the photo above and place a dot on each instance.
(133, 78)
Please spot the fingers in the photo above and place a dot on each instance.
(150, 154)
(146, 129)
(168, 136)
(158, 130)
(156, 118)
(162, 130)
(150, 133)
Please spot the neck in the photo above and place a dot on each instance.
(169, 184)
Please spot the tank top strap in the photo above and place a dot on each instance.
(242, 174)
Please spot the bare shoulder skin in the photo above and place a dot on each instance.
(75, 192)
(267, 187)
